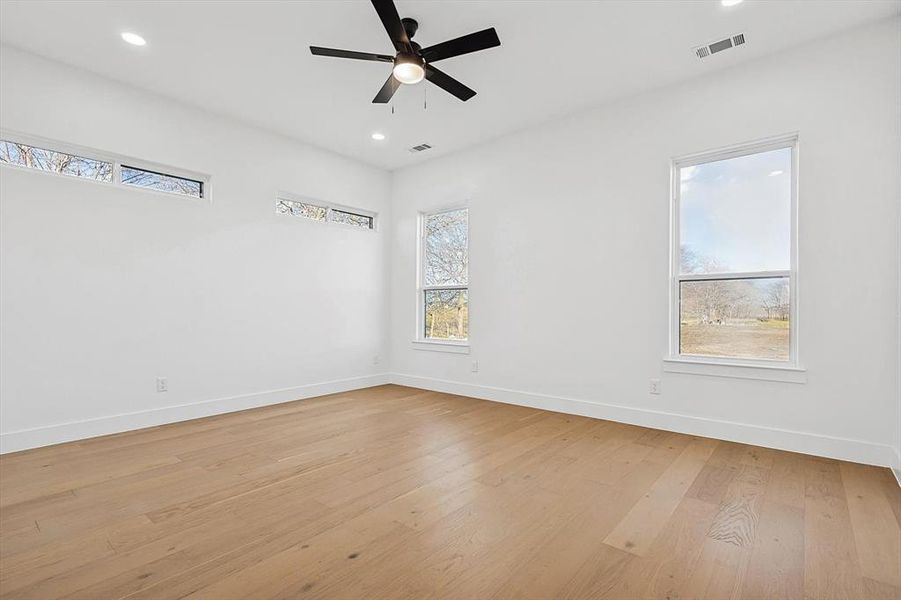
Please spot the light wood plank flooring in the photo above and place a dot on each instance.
(398, 493)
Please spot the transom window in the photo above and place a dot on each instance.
(32, 157)
(285, 204)
(98, 166)
(734, 250)
(161, 181)
(444, 280)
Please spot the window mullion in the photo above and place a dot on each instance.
(735, 275)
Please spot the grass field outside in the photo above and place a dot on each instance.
(737, 338)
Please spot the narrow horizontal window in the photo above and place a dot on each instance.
(42, 159)
(161, 182)
(297, 206)
(301, 209)
(349, 218)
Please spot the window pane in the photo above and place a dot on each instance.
(446, 255)
(161, 182)
(300, 209)
(57, 162)
(446, 314)
(348, 218)
(735, 214)
(741, 318)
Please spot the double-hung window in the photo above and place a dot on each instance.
(444, 277)
(734, 256)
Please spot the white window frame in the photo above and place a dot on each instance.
(117, 161)
(420, 342)
(329, 207)
(752, 368)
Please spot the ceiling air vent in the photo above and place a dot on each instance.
(720, 45)
(420, 148)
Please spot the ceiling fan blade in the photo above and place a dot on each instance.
(473, 42)
(387, 91)
(391, 20)
(448, 83)
(318, 51)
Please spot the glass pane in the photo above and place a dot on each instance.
(735, 214)
(300, 209)
(741, 318)
(348, 218)
(57, 162)
(446, 256)
(161, 182)
(446, 314)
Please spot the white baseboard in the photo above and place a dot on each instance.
(780, 439)
(14, 441)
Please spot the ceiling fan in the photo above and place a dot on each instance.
(412, 63)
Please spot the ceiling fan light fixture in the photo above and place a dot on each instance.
(412, 63)
(408, 69)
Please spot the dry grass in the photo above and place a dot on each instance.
(741, 338)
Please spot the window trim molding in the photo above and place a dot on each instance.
(420, 342)
(117, 161)
(329, 207)
(675, 361)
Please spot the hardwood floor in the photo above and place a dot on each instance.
(395, 493)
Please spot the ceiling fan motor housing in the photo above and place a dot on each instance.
(410, 26)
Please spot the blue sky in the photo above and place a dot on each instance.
(737, 212)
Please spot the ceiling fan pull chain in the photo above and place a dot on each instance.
(425, 98)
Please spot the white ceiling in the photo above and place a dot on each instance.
(250, 60)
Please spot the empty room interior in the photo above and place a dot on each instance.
(462, 299)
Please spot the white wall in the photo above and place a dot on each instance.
(569, 243)
(104, 289)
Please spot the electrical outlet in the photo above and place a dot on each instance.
(162, 384)
(475, 366)
(654, 387)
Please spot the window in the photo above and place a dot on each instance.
(98, 166)
(31, 157)
(349, 218)
(734, 250)
(161, 182)
(301, 209)
(287, 204)
(444, 280)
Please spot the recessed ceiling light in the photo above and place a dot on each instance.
(378, 136)
(774, 173)
(133, 38)
(731, 2)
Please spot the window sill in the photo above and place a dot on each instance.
(688, 366)
(435, 346)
